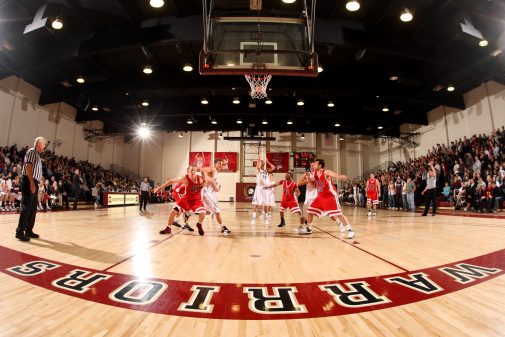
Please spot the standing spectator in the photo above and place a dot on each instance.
(76, 186)
(430, 190)
(144, 193)
(410, 189)
(32, 173)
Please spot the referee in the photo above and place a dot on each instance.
(144, 193)
(32, 173)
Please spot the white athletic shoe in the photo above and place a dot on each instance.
(350, 234)
(342, 228)
(369, 213)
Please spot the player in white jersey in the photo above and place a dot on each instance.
(209, 195)
(270, 196)
(260, 201)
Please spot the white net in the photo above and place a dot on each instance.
(258, 85)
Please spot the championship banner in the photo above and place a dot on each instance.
(280, 160)
(200, 159)
(230, 158)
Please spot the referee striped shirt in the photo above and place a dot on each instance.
(32, 157)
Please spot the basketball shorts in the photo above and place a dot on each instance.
(291, 205)
(325, 204)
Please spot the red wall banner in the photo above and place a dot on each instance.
(280, 160)
(200, 159)
(230, 158)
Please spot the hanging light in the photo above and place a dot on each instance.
(157, 3)
(239, 121)
(95, 108)
(57, 24)
(145, 103)
(337, 124)
(236, 100)
(483, 43)
(189, 121)
(302, 136)
(320, 69)
(352, 5)
(213, 121)
(300, 102)
(406, 16)
(268, 101)
(385, 109)
(147, 70)
(288, 1)
(450, 88)
(380, 127)
(341, 138)
(180, 135)
(204, 101)
(289, 122)
(220, 135)
(80, 80)
(330, 104)
(264, 122)
(187, 67)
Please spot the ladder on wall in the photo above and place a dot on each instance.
(250, 152)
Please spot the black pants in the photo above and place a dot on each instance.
(144, 196)
(28, 207)
(76, 193)
(430, 195)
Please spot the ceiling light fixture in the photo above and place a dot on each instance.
(393, 78)
(189, 121)
(213, 121)
(289, 122)
(180, 135)
(330, 104)
(483, 43)
(380, 127)
(157, 3)
(320, 69)
(80, 80)
(145, 103)
(220, 135)
(187, 67)
(288, 1)
(337, 124)
(204, 101)
(236, 100)
(300, 102)
(95, 108)
(268, 101)
(385, 109)
(406, 16)
(147, 70)
(264, 122)
(143, 132)
(302, 136)
(450, 88)
(341, 138)
(352, 6)
(57, 24)
(239, 121)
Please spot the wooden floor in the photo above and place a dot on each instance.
(402, 275)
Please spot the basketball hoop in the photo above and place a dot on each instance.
(258, 85)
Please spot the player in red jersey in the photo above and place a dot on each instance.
(192, 199)
(289, 202)
(178, 192)
(326, 202)
(373, 194)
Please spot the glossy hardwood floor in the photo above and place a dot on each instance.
(327, 284)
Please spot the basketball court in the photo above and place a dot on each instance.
(108, 272)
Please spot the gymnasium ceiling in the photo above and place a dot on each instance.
(108, 42)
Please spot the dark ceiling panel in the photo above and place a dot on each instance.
(109, 42)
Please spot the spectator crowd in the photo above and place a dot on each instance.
(470, 176)
(59, 183)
